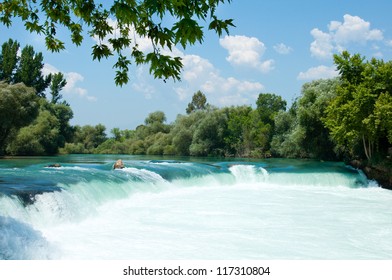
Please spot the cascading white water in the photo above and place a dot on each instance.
(171, 210)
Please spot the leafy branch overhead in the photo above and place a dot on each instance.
(165, 22)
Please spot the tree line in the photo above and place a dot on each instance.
(333, 119)
(34, 118)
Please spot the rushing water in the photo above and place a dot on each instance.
(190, 209)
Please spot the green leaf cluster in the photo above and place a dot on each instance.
(27, 68)
(360, 115)
(300, 132)
(30, 124)
(165, 23)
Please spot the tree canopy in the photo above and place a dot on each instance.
(166, 23)
(199, 102)
(361, 113)
(26, 68)
(18, 107)
(29, 123)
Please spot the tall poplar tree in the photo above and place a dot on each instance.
(29, 71)
(8, 60)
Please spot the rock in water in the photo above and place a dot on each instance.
(119, 164)
(56, 165)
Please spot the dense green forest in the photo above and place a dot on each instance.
(345, 118)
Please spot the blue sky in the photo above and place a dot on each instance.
(276, 47)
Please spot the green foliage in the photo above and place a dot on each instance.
(311, 110)
(300, 132)
(64, 114)
(160, 143)
(199, 102)
(147, 18)
(8, 60)
(268, 105)
(155, 122)
(29, 71)
(383, 115)
(39, 138)
(111, 146)
(18, 107)
(208, 135)
(183, 134)
(237, 138)
(235, 131)
(29, 124)
(354, 116)
(89, 136)
(58, 82)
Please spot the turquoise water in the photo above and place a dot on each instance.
(187, 208)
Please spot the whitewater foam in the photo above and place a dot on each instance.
(20, 241)
(199, 211)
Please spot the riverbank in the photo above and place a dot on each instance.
(382, 173)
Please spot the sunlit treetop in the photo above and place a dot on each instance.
(133, 19)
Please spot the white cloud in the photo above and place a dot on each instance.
(322, 46)
(246, 51)
(72, 78)
(282, 49)
(353, 30)
(319, 72)
(200, 74)
(196, 67)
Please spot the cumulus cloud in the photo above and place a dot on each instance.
(282, 49)
(200, 74)
(319, 72)
(246, 51)
(73, 79)
(353, 30)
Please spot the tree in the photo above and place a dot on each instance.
(300, 132)
(26, 68)
(354, 115)
(29, 71)
(208, 135)
(268, 105)
(18, 107)
(183, 131)
(238, 131)
(288, 137)
(58, 82)
(165, 23)
(199, 102)
(311, 110)
(23, 130)
(8, 60)
(155, 122)
(39, 138)
(91, 136)
(64, 114)
(116, 134)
